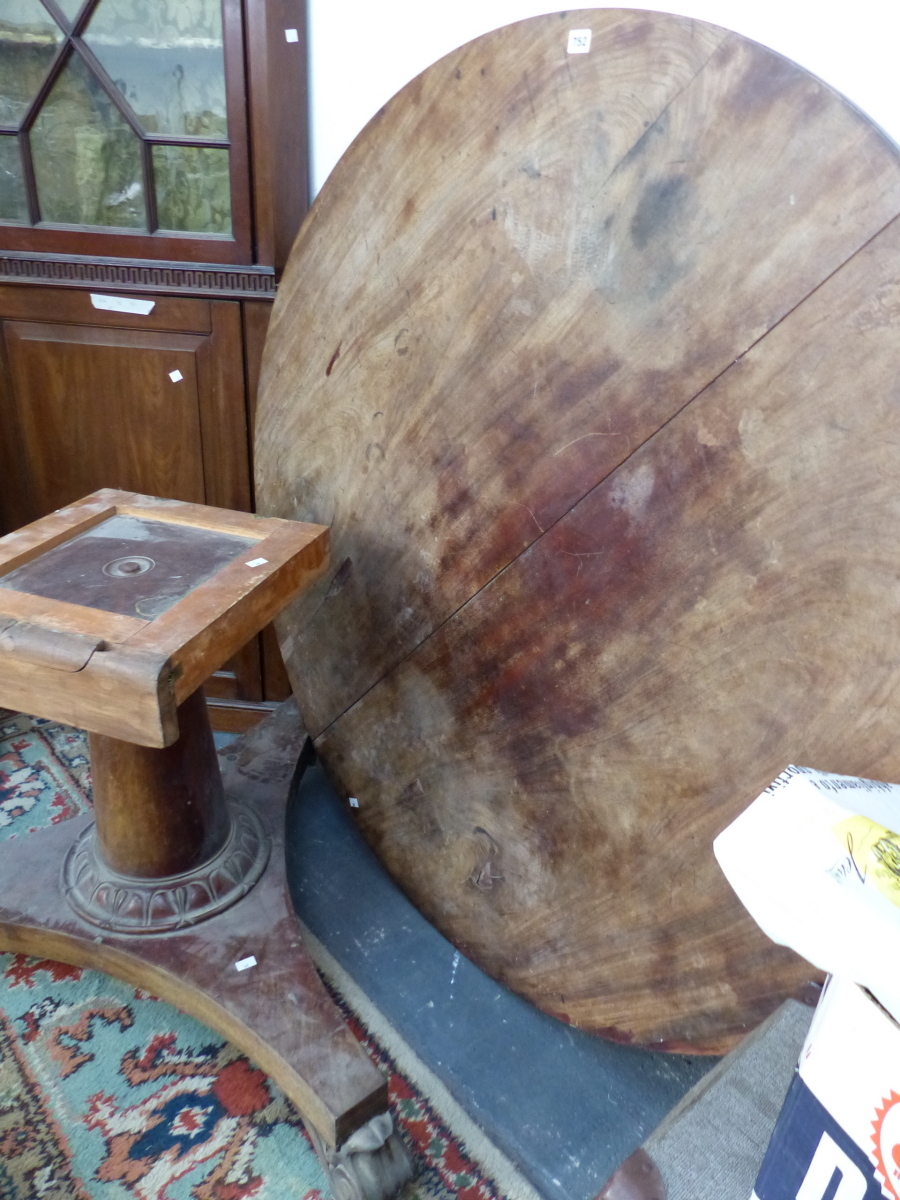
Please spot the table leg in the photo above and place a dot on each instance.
(160, 812)
(167, 848)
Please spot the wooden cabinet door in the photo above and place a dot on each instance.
(94, 399)
(104, 408)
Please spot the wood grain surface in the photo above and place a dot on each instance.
(590, 362)
(159, 812)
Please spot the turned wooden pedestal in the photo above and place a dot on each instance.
(178, 792)
(112, 612)
(166, 849)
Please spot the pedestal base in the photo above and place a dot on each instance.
(125, 904)
(276, 1011)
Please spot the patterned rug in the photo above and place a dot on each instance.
(107, 1092)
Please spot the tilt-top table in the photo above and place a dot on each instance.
(588, 356)
(113, 612)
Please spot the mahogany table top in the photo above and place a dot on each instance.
(590, 362)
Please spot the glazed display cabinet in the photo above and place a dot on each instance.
(153, 175)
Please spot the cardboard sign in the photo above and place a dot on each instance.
(838, 1134)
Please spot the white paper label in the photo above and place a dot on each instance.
(245, 964)
(176, 376)
(579, 41)
(354, 803)
(122, 304)
(291, 35)
(257, 562)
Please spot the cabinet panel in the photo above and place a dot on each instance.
(257, 315)
(223, 410)
(278, 122)
(100, 408)
(181, 314)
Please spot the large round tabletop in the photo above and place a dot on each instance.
(590, 358)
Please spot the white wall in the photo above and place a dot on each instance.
(363, 51)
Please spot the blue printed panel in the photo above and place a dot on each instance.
(810, 1157)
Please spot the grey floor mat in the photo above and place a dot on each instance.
(711, 1145)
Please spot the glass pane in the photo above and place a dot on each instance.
(13, 205)
(71, 8)
(87, 161)
(167, 59)
(193, 190)
(29, 39)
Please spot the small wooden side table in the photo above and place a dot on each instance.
(113, 612)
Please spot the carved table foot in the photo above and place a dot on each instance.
(373, 1164)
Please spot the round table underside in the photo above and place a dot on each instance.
(591, 363)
